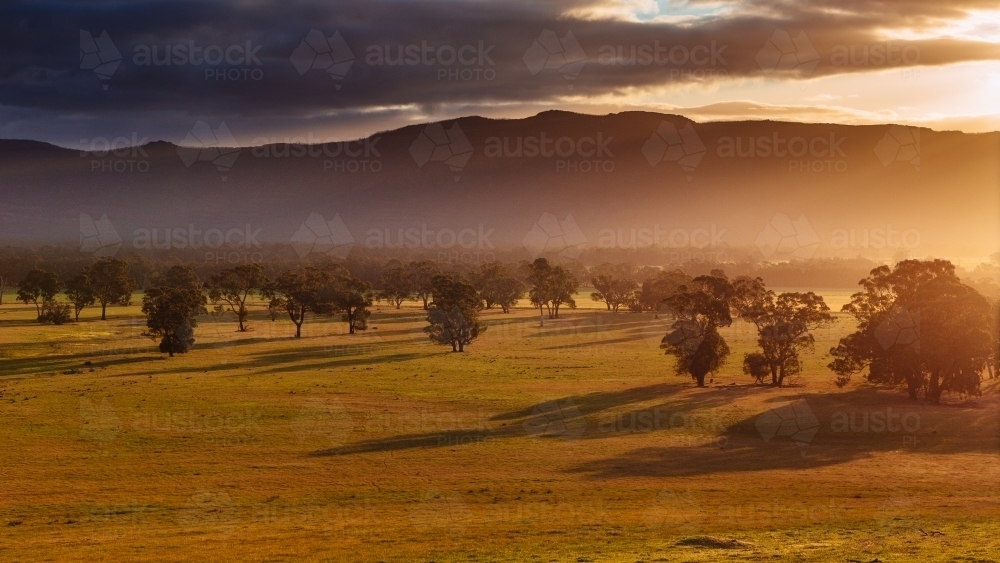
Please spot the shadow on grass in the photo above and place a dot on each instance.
(846, 427)
(568, 413)
(45, 364)
(707, 433)
(341, 360)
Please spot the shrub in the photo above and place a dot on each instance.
(54, 313)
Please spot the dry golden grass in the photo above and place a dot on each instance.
(381, 446)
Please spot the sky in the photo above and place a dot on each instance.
(73, 72)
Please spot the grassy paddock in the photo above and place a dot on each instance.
(569, 442)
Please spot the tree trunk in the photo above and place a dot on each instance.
(461, 346)
(933, 393)
(700, 380)
(298, 329)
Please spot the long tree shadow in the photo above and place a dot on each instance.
(49, 363)
(566, 417)
(779, 434)
(29, 366)
(398, 317)
(814, 431)
(342, 361)
(608, 328)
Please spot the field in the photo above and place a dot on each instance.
(569, 442)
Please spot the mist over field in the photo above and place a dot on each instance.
(857, 191)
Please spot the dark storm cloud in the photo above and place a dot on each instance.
(40, 65)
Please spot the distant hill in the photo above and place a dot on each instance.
(651, 172)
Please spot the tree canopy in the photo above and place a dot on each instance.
(453, 315)
(171, 302)
(701, 307)
(919, 327)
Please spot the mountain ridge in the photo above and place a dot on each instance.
(624, 171)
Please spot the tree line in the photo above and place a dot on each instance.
(919, 326)
(369, 265)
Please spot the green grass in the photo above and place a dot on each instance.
(381, 446)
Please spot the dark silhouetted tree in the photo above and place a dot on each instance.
(701, 307)
(506, 292)
(37, 287)
(235, 286)
(784, 327)
(496, 286)
(453, 315)
(552, 287)
(171, 302)
(352, 297)
(111, 282)
(80, 293)
(301, 291)
(655, 290)
(614, 286)
(396, 285)
(423, 274)
(920, 327)
(485, 280)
